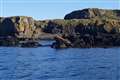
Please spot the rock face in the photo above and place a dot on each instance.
(15, 29)
(18, 26)
(90, 33)
(82, 28)
(93, 13)
(91, 28)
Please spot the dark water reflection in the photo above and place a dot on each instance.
(45, 63)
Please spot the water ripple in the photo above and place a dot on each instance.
(64, 64)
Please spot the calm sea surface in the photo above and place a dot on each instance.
(45, 63)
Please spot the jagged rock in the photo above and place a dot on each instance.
(17, 26)
(93, 13)
(61, 42)
(82, 28)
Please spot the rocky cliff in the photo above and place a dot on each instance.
(91, 28)
(82, 28)
(17, 26)
(91, 32)
(93, 13)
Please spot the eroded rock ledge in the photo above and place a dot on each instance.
(83, 28)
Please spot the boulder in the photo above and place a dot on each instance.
(61, 42)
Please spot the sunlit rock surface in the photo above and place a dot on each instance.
(82, 28)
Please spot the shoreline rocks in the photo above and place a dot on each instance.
(82, 28)
(17, 42)
(102, 41)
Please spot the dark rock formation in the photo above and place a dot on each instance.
(93, 13)
(82, 28)
(15, 29)
(7, 28)
(18, 26)
(91, 28)
(61, 42)
(29, 43)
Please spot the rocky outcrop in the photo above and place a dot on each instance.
(17, 26)
(15, 29)
(93, 13)
(84, 33)
(61, 42)
(82, 28)
(91, 28)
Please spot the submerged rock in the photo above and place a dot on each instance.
(29, 44)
